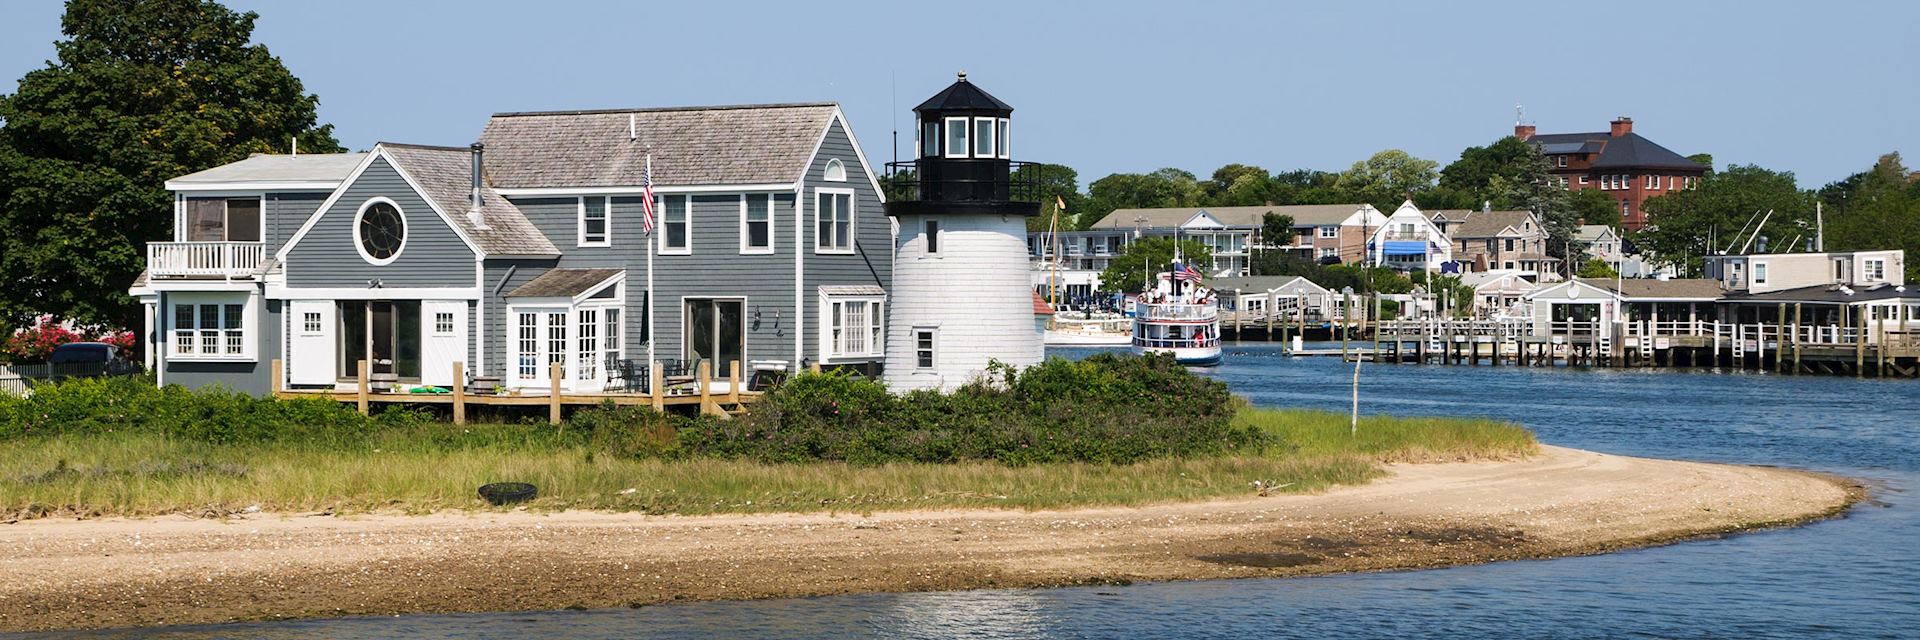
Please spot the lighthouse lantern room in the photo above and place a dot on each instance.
(961, 296)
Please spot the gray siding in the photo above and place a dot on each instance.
(285, 213)
(873, 262)
(502, 276)
(434, 255)
(253, 378)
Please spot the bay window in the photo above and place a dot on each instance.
(853, 328)
(210, 330)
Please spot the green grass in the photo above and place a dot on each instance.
(438, 467)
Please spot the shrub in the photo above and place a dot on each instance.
(627, 432)
(33, 344)
(134, 405)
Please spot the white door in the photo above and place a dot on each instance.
(443, 325)
(310, 345)
(539, 340)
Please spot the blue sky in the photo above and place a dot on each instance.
(1817, 89)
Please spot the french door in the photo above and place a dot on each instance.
(540, 341)
(715, 331)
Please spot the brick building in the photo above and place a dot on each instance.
(1618, 161)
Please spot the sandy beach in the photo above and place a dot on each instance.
(64, 574)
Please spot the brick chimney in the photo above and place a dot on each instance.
(1622, 126)
(1523, 131)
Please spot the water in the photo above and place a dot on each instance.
(1850, 577)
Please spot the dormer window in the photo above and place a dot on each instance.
(956, 137)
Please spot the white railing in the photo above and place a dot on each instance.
(1177, 311)
(204, 259)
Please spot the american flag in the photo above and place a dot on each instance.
(646, 205)
(1186, 273)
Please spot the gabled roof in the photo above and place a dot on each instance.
(445, 178)
(1040, 306)
(314, 170)
(1677, 288)
(1263, 284)
(563, 283)
(1303, 215)
(730, 145)
(1590, 233)
(1488, 224)
(1478, 279)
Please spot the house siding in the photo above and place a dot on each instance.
(253, 378)
(871, 263)
(434, 255)
(285, 213)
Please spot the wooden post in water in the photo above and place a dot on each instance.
(1780, 341)
(459, 392)
(1346, 317)
(1273, 307)
(553, 393)
(1880, 343)
(363, 386)
(1796, 337)
(1860, 345)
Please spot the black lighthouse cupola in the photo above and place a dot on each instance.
(965, 161)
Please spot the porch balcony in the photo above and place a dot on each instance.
(204, 259)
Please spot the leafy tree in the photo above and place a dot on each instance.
(1282, 263)
(1454, 297)
(1052, 185)
(1877, 209)
(1276, 229)
(1683, 226)
(1598, 269)
(1705, 160)
(1473, 175)
(1142, 261)
(1593, 206)
(143, 91)
(1163, 188)
(1511, 174)
(1387, 178)
(1237, 185)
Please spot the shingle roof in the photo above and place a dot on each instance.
(446, 174)
(1830, 294)
(557, 283)
(1590, 233)
(964, 96)
(313, 167)
(1626, 150)
(747, 144)
(1040, 306)
(1697, 288)
(1263, 284)
(1487, 224)
(1303, 215)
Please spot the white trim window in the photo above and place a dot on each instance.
(852, 328)
(237, 219)
(1583, 179)
(1003, 140)
(756, 224)
(1653, 182)
(1329, 252)
(595, 221)
(1873, 269)
(1329, 231)
(984, 138)
(1759, 272)
(932, 232)
(835, 171)
(930, 140)
(312, 323)
(926, 345)
(835, 220)
(216, 330)
(442, 323)
(379, 231)
(956, 146)
(587, 334)
(676, 226)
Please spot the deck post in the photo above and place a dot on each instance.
(1880, 344)
(553, 393)
(705, 380)
(1796, 338)
(733, 382)
(273, 386)
(459, 392)
(363, 386)
(1860, 345)
(654, 384)
(1780, 342)
(1273, 304)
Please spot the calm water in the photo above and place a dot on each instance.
(1852, 577)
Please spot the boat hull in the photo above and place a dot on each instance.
(1192, 356)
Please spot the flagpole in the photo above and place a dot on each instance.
(648, 227)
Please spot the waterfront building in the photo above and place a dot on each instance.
(1251, 297)
(962, 296)
(1500, 293)
(525, 250)
(1487, 240)
(1586, 307)
(1763, 273)
(1322, 232)
(1409, 241)
(1625, 165)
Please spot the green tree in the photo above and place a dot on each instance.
(1237, 185)
(1511, 174)
(143, 91)
(1683, 226)
(1052, 185)
(1876, 209)
(1598, 269)
(1593, 206)
(1454, 298)
(1144, 259)
(1163, 188)
(1387, 178)
(1276, 229)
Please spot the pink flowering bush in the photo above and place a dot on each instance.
(33, 344)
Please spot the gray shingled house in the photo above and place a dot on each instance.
(771, 249)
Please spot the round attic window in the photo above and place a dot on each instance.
(379, 231)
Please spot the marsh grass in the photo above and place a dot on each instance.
(424, 468)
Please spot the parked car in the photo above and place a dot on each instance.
(87, 359)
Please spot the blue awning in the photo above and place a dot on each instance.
(1406, 248)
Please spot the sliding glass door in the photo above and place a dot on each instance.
(385, 333)
(716, 332)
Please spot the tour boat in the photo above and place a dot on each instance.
(1179, 316)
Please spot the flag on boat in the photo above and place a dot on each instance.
(646, 204)
(1185, 273)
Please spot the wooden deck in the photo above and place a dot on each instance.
(696, 391)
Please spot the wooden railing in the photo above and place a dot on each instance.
(204, 259)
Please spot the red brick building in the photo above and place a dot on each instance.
(1618, 161)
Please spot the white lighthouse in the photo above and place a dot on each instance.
(960, 296)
